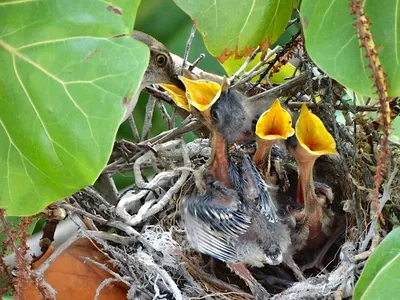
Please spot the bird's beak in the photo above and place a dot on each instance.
(273, 125)
(313, 140)
(312, 134)
(177, 82)
(178, 95)
(201, 94)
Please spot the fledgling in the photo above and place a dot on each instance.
(235, 220)
(239, 226)
(310, 142)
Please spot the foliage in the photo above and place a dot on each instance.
(333, 45)
(380, 277)
(65, 77)
(63, 82)
(238, 27)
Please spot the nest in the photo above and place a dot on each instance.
(149, 246)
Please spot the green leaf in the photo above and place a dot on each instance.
(66, 73)
(395, 136)
(380, 277)
(237, 27)
(333, 45)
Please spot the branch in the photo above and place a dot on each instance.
(289, 88)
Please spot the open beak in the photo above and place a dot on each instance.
(178, 95)
(313, 140)
(273, 125)
(199, 94)
(202, 95)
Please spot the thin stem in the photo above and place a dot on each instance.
(148, 117)
(188, 46)
(135, 131)
(196, 62)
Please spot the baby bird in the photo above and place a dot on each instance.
(239, 226)
(310, 142)
(235, 220)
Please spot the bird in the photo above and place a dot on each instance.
(237, 225)
(161, 68)
(236, 220)
(274, 125)
(310, 142)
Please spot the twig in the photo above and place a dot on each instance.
(135, 131)
(387, 188)
(187, 48)
(164, 114)
(43, 267)
(357, 205)
(171, 134)
(357, 108)
(244, 65)
(148, 117)
(197, 73)
(80, 211)
(107, 188)
(105, 268)
(193, 125)
(196, 271)
(130, 231)
(103, 284)
(284, 52)
(256, 69)
(196, 62)
(112, 237)
(146, 260)
(133, 221)
(130, 201)
(288, 88)
(168, 195)
(93, 193)
(374, 218)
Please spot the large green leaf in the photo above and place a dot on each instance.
(65, 74)
(332, 43)
(237, 27)
(380, 277)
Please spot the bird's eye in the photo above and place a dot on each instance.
(161, 60)
(215, 115)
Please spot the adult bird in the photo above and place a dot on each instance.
(161, 68)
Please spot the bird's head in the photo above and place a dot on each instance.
(161, 68)
(275, 123)
(312, 139)
(219, 107)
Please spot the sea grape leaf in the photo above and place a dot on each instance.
(380, 277)
(332, 42)
(67, 69)
(237, 27)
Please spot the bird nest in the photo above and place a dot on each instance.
(142, 230)
(149, 246)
